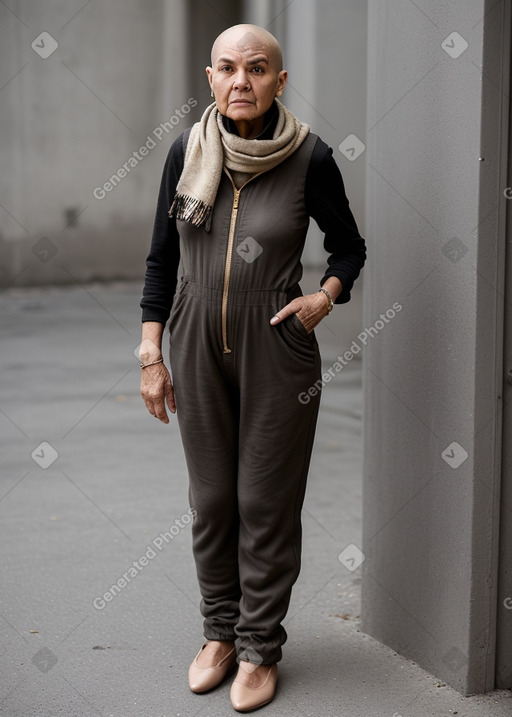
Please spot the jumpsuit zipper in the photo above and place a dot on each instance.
(227, 264)
(227, 272)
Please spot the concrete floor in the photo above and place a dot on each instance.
(77, 513)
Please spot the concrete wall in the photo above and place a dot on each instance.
(71, 120)
(205, 21)
(122, 68)
(433, 369)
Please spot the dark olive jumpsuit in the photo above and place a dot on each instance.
(247, 437)
(237, 379)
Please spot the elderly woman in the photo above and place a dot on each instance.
(237, 192)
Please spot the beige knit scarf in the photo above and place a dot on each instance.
(210, 147)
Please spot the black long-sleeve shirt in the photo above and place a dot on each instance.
(326, 202)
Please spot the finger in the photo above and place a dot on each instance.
(170, 399)
(306, 322)
(151, 409)
(159, 410)
(286, 311)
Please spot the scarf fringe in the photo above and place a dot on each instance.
(191, 209)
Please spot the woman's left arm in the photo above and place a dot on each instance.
(327, 202)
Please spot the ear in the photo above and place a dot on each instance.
(209, 73)
(281, 82)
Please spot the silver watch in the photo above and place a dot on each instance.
(331, 303)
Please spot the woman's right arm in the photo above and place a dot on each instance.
(164, 254)
(158, 292)
(155, 382)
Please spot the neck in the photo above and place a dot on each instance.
(248, 129)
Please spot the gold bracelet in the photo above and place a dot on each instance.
(145, 365)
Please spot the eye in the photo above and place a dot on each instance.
(258, 69)
(225, 67)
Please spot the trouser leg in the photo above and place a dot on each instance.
(276, 440)
(270, 501)
(207, 411)
(213, 495)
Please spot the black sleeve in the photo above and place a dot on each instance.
(327, 203)
(164, 254)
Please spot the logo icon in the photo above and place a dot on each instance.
(454, 249)
(454, 45)
(44, 249)
(351, 147)
(44, 455)
(249, 249)
(45, 45)
(44, 659)
(252, 656)
(454, 454)
(351, 557)
(454, 659)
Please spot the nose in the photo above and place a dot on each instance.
(241, 81)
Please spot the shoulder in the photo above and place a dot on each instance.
(322, 154)
(322, 165)
(312, 152)
(324, 181)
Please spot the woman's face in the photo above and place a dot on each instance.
(244, 78)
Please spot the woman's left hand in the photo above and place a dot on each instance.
(310, 310)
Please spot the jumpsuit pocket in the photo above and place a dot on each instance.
(176, 313)
(297, 339)
(297, 324)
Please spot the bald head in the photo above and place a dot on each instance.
(246, 76)
(249, 37)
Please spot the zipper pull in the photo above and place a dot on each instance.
(235, 200)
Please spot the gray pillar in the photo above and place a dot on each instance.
(504, 609)
(436, 169)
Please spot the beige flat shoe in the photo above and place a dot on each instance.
(244, 698)
(202, 679)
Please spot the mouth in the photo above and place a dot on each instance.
(241, 102)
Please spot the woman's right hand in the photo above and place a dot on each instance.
(155, 389)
